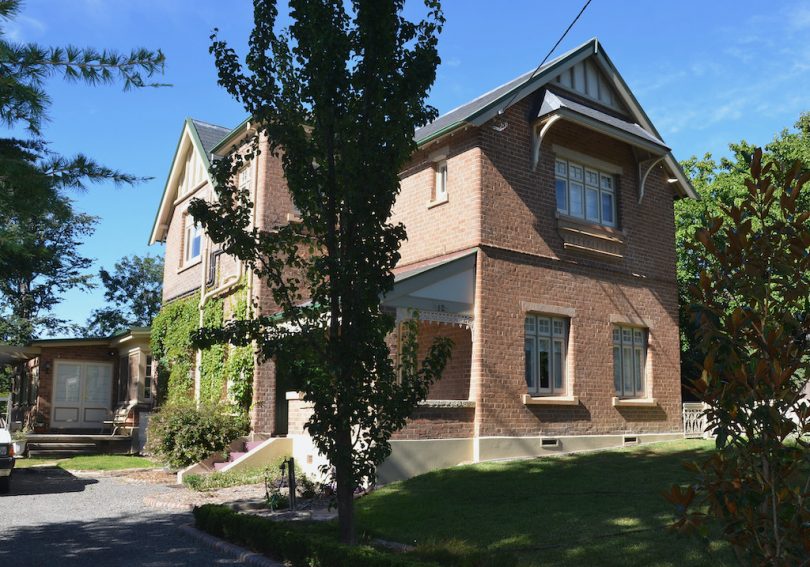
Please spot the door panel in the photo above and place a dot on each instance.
(82, 394)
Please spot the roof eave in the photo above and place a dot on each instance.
(241, 129)
(611, 131)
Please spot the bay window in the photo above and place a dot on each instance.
(585, 193)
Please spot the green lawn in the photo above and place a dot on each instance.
(603, 508)
(90, 462)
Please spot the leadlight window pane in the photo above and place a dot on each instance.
(543, 326)
(592, 204)
(592, 177)
(617, 335)
(558, 364)
(617, 369)
(559, 326)
(562, 195)
(575, 172)
(638, 337)
(530, 325)
(543, 363)
(607, 208)
(638, 370)
(627, 369)
(627, 336)
(576, 205)
(530, 370)
(561, 168)
(607, 183)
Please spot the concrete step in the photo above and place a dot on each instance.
(60, 446)
(220, 466)
(61, 453)
(235, 455)
(250, 445)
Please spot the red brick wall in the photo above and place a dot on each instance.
(454, 225)
(439, 423)
(455, 381)
(178, 278)
(519, 205)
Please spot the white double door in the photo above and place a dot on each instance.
(82, 395)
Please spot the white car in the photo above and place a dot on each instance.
(6, 458)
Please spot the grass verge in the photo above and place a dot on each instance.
(604, 508)
(89, 462)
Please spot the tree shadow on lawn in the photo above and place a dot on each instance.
(550, 507)
(148, 539)
(46, 480)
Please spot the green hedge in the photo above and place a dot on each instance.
(277, 540)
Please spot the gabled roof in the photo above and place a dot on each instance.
(480, 110)
(202, 137)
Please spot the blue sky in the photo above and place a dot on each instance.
(707, 73)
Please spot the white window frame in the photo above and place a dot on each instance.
(573, 179)
(147, 378)
(440, 192)
(193, 230)
(551, 332)
(630, 376)
(244, 178)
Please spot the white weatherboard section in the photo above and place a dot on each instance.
(458, 288)
(193, 173)
(585, 79)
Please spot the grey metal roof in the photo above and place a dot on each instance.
(210, 134)
(553, 102)
(462, 112)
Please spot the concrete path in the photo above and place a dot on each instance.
(52, 517)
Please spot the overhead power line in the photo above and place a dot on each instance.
(556, 45)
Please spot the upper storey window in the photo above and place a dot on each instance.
(585, 193)
(441, 181)
(193, 240)
(245, 178)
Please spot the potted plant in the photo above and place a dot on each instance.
(18, 439)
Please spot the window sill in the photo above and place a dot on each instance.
(634, 402)
(550, 400)
(582, 236)
(437, 202)
(447, 404)
(190, 264)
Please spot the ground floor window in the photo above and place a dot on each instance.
(629, 361)
(545, 345)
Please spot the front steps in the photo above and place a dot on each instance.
(59, 446)
(242, 454)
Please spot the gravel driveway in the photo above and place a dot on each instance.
(53, 518)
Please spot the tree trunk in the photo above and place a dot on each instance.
(345, 489)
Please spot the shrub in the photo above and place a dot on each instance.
(294, 546)
(182, 434)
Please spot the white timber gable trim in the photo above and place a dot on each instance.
(189, 154)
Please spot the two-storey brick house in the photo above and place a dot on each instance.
(540, 238)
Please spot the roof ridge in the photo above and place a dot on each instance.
(209, 124)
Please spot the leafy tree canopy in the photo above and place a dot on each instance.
(721, 184)
(39, 229)
(338, 96)
(132, 292)
(750, 311)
